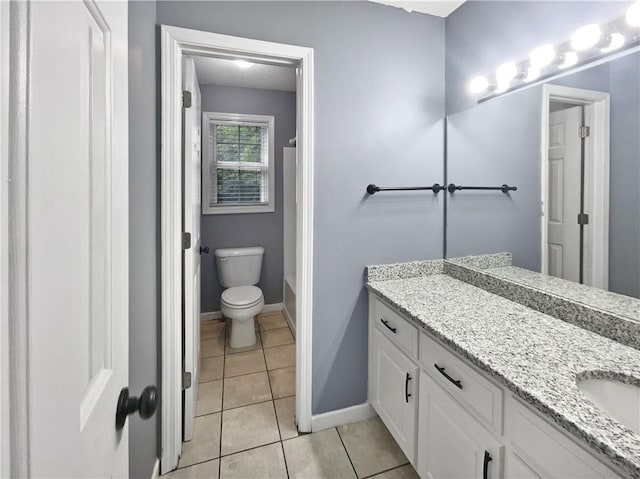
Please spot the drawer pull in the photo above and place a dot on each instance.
(442, 371)
(406, 388)
(386, 323)
(485, 467)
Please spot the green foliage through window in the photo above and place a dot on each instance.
(241, 164)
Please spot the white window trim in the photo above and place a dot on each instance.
(269, 207)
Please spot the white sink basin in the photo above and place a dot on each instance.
(621, 401)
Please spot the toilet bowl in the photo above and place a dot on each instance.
(239, 271)
(241, 304)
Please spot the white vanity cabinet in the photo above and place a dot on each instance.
(451, 442)
(538, 449)
(393, 376)
(452, 421)
(394, 392)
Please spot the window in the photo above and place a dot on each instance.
(238, 163)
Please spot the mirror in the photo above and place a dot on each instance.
(576, 211)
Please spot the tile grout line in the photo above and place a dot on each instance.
(275, 412)
(224, 365)
(250, 449)
(347, 452)
(284, 457)
(196, 416)
(388, 470)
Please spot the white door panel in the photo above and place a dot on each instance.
(77, 237)
(191, 215)
(564, 193)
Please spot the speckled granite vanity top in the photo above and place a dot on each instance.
(536, 356)
(593, 297)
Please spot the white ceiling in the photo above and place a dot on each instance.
(439, 8)
(218, 71)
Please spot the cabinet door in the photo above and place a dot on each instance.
(451, 443)
(545, 451)
(394, 391)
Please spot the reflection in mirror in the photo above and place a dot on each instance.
(572, 147)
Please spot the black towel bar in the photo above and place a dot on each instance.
(504, 188)
(436, 188)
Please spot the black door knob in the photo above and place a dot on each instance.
(204, 250)
(146, 405)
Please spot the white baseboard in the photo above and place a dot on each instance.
(341, 416)
(267, 308)
(155, 474)
(287, 316)
(211, 316)
(272, 308)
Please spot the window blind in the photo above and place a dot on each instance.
(239, 163)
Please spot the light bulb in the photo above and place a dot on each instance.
(504, 74)
(633, 15)
(570, 59)
(507, 71)
(243, 63)
(542, 56)
(616, 41)
(532, 74)
(586, 37)
(478, 85)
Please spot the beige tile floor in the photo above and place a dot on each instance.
(245, 428)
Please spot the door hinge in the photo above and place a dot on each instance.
(584, 131)
(583, 219)
(186, 99)
(186, 380)
(186, 240)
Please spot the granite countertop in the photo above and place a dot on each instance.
(593, 297)
(536, 356)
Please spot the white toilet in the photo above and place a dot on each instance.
(239, 271)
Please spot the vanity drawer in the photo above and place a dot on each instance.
(395, 327)
(481, 397)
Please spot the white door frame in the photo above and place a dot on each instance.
(176, 42)
(598, 116)
(14, 349)
(5, 434)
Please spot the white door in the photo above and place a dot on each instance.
(564, 193)
(77, 237)
(191, 218)
(395, 391)
(451, 443)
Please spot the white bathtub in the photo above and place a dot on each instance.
(289, 302)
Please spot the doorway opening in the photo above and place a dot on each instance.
(237, 182)
(575, 185)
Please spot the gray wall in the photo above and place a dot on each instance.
(379, 98)
(499, 142)
(144, 323)
(624, 216)
(481, 35)
(250, 229)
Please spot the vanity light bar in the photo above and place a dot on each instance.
(589, 43)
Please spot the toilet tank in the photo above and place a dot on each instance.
(239, 266)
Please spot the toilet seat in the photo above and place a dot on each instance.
(242, 297)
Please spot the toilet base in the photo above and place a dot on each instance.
(243, 333)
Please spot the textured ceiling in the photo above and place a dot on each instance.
(432, 7)
(217, 71)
